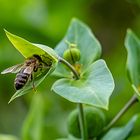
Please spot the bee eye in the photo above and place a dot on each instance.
(37, 57)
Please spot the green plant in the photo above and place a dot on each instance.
(95, 122)
(86, 80)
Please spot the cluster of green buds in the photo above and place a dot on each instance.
(72, 54)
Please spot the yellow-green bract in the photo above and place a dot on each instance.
(28, 49)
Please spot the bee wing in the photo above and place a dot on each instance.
(13, 69)
(28, 69)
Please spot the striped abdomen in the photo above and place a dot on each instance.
(21, 79)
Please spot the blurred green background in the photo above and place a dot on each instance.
(43, 115)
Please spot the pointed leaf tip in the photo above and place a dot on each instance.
(6, 31)
(81, 35)
(129, 30)
(28, 49)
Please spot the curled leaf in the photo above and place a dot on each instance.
(28, 49)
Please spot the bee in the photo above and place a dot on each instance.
(25, 71)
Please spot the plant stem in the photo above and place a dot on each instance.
(82, 121)
(131, 102)
(70, 67)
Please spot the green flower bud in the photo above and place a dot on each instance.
(72, 55)
(95, 121)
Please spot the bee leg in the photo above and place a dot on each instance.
(32, 78)
(35, 69)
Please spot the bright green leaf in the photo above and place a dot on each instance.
(132, 44)
(28, 49)
(94, 87)
(121, 133)
(81, 35)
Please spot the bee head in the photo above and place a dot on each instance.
(37, 57)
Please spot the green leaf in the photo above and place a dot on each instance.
(81, 35)
(132, 44)
(28, 49)
(136, 130)
(94, 87)
(33, 127)
(7, 137)
(121, 133)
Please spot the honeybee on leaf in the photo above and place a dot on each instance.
(26, 71)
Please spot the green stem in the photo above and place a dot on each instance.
(70, 67)
(82, 121)
(130, 103)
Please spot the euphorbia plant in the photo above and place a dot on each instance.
(84, 78)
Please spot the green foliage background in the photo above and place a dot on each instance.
(45, 22)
